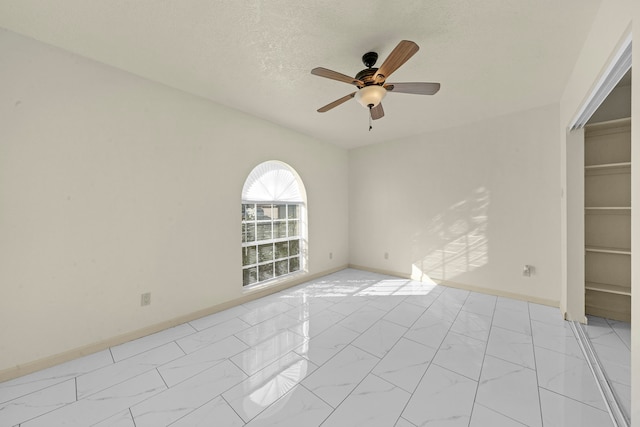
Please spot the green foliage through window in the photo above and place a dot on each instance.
(270, 241)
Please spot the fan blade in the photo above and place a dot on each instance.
(398, 56)
(334, 75)
(336, 103)
(377, 112)
(414, 88)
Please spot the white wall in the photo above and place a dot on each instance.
(470, 205)
(111, 185)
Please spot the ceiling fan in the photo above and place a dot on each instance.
(371, 82)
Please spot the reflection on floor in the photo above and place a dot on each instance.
(611, 341)
(353, 348)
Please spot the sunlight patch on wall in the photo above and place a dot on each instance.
(454, 241)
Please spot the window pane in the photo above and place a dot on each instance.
(248, 212)
(265, 272)
(249, 276)
(282, 267)
(264, 231)
(294, 264)
(263, 212)
(279, 229)
(265, 252)
(293, 211)
(279, 211)
(248, 232)
(294, 247)
(282, 249)
(249, 255)
(293, 228)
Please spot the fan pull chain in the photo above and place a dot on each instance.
(370, 127)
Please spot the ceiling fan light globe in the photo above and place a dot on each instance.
(371, 96)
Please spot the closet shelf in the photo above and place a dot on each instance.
(607, 208)
(603, 250)
(608, 165)
(609, 289)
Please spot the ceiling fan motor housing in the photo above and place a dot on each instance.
(369, 59)
(367, 75)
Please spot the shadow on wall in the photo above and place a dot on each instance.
(453, 242)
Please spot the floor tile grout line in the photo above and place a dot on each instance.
(347, 396)
(382, 379)
(323, 401)
(137, 403)
(511, 330)
(4, 404)
(52, 410)
(370, 353)
(506, 416)
(182, 349)
(404, 389)
(555, 351)
(133, 419)
(513, 363)
(454, 372)
(149, 369)
(615, 331)
(208, 343)
(149, 349)
(236, 412)
(484, 357)
(572, 398)
(414, 322)
(535, 364)
(278, 332)
(217, 362)
(163, 380)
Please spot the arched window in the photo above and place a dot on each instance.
(274, 223)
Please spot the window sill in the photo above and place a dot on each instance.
(273, 282)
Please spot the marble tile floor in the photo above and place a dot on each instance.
(611, 341)
(350, 349)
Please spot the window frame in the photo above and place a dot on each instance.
(272, 185)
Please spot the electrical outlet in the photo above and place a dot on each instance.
(145, 299)
(527, 270)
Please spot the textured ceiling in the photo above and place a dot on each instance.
(492, 57)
